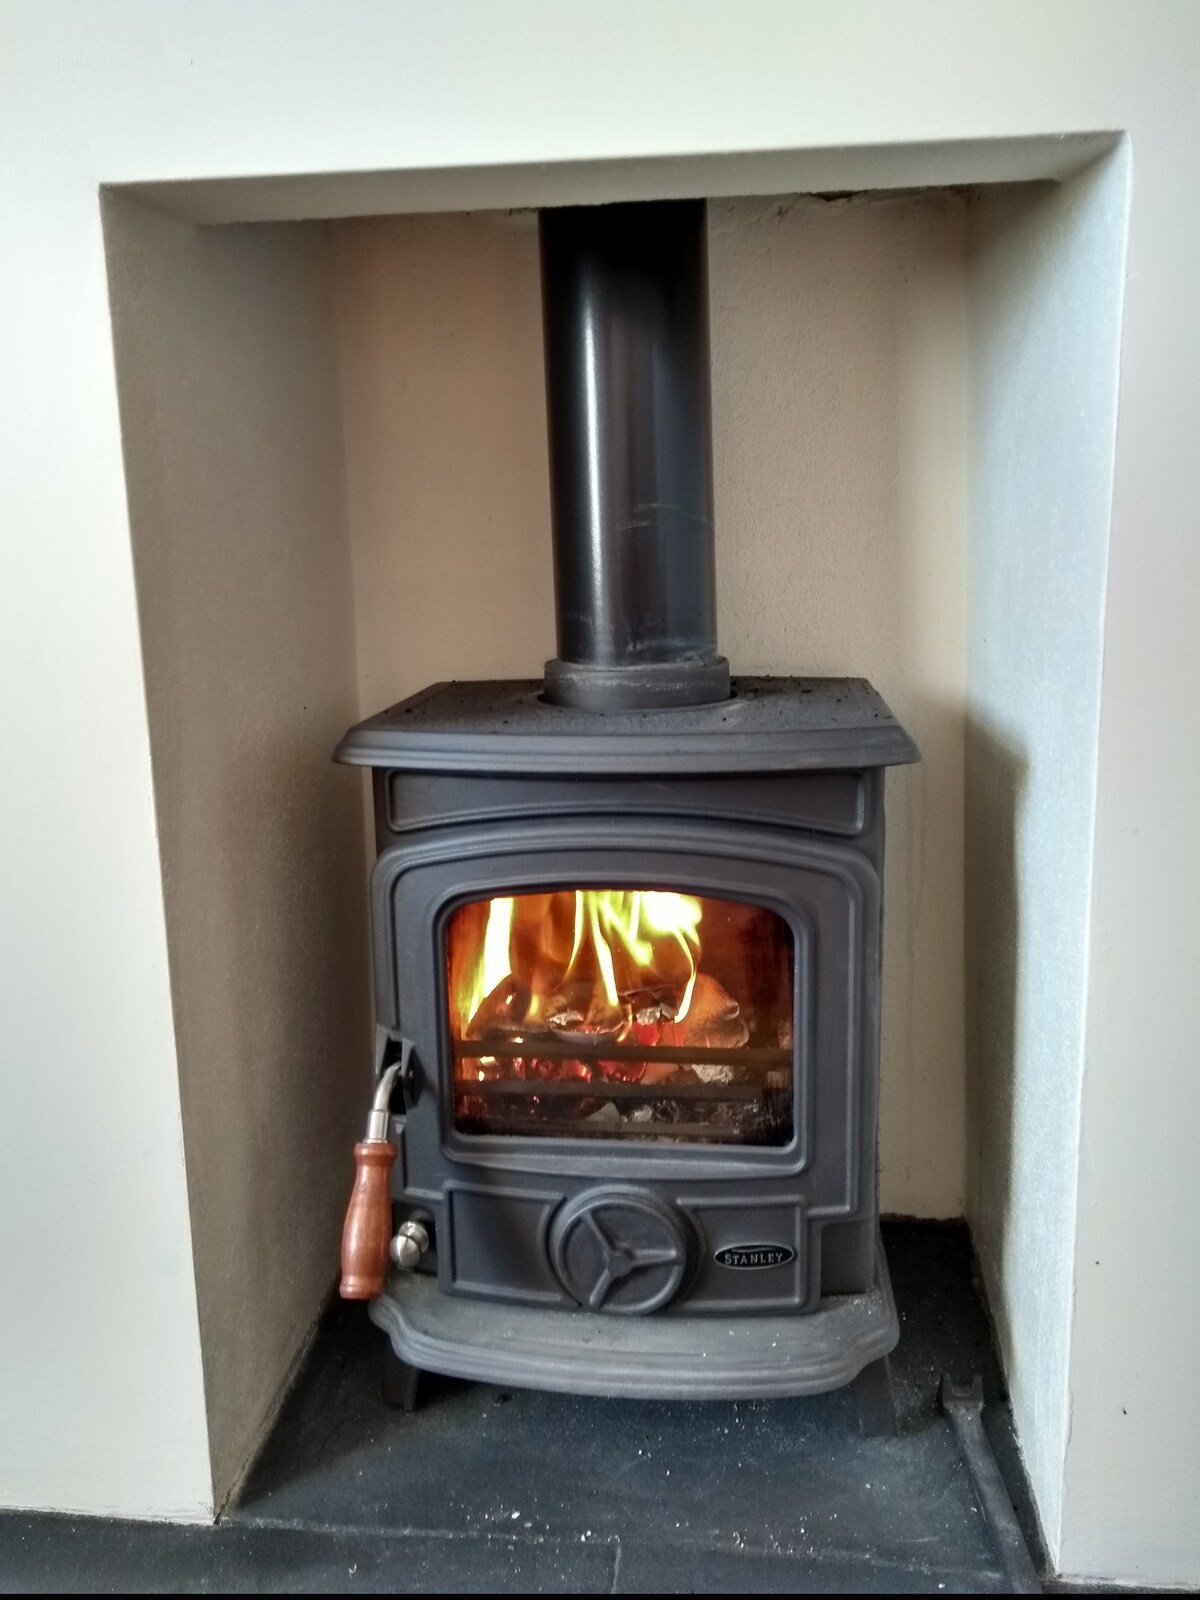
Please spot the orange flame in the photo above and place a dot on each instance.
(620, 940)
(495, 962)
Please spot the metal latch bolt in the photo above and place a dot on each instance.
(409, 1245)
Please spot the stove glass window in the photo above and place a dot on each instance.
(635, 1014)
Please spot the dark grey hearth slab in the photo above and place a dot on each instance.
(77, 1556)
(657, 1569)
(787, 1480)
(687, 1357)
(487, 1489)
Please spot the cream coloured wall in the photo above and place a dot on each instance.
(444, 416)
(227, 372)
(840, 420)
(839, 373)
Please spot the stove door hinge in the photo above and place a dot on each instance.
(395, 1058)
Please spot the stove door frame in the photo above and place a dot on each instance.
(827, 892)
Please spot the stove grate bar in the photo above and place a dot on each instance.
(667, 1132)
(554, 1049)
(602, 1089)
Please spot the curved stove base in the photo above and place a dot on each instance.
(673, 1357)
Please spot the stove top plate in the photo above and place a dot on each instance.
(767, 725)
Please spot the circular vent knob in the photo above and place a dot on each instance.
(620, 1251)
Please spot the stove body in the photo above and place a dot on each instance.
(739, 1187)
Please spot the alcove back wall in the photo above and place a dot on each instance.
(840, 431)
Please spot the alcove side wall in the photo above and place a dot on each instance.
(1046, 285)
(227, 378)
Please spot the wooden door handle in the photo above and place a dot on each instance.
(368, 1230)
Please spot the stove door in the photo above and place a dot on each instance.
(634, 997)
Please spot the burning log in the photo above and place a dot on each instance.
(512, 1015)
(502, 1012)
(713, 1021)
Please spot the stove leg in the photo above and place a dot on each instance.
(876, 1400)
(400, 1382)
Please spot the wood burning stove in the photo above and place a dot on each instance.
(627, 932)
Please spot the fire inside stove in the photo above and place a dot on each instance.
(622, 1014)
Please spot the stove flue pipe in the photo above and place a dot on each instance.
(625, 316)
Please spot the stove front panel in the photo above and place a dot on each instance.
(644, 1056)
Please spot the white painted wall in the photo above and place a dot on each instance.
(1047, 264)
(496, 101)
(840, 422)
(1131, 1502)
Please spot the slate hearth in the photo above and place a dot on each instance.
(498, 1490)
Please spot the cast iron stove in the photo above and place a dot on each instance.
(627, 931)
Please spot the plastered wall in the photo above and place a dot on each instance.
(289, 110)
(839, 418)
(1046, 265)
(227, 373)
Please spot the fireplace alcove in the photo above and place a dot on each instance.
(337, 494)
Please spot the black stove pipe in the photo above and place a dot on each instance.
(625, 315)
